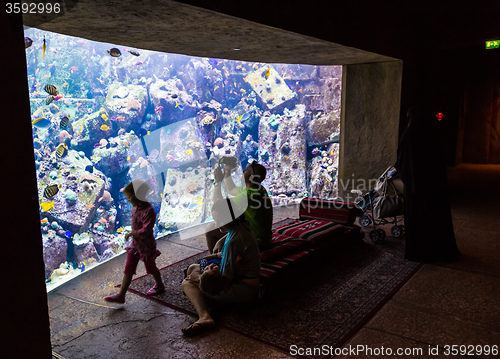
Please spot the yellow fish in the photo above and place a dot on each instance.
(45, 220)
(44, 48)
(239, 118)
(268, 72)
(128, 158)
(104, 117)
(105, 127)
(47, 205)
(189, 152)
(119, 230)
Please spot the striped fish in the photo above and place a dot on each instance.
(51, 89)
(51, 191)
(49, 99)
(64, 123)
(61, 150)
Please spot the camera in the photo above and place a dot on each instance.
(229, 161)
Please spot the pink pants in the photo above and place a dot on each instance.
(133, 260)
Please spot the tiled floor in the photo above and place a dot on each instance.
(452, 304)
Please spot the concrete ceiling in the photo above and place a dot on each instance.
(170, 26)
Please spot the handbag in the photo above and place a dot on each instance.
(388, 206)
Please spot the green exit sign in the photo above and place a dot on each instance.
(493, 44)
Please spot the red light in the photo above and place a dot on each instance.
(439, 116)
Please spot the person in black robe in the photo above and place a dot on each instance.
(422, 168)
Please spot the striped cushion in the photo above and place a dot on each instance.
(335, 211)
(284, 270)
(312, 230)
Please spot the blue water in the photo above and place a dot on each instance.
(166, 119)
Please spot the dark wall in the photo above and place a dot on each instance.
(24, 318)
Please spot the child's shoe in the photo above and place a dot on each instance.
(117, 298)
(156, 290)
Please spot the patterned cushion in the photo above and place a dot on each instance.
(283, 271)
(335, 211)
(283, 247)
(315, 231)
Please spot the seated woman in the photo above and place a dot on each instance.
(237, 280)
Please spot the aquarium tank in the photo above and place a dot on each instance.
(105, 114)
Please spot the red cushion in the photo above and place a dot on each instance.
(329, 210)
(281, 249)
(314, 231)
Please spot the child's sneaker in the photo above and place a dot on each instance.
(156, 290)
(117, 298)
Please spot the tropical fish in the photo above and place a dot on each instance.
(58, 97)
(189, 152)
(46, 76)
(103, 221)
(316, 150)
(27, 42)
(51, 90)
(83, 267)
(119, 230)
(133, 52)
(44, 48)
(159, 108)
(68, 234)
(64, 123)
(90, 206)
(268, 72)
(105, 127)
(193, 205)
(51, 191)
(45, 206)
(243, 117)
(101, 81)
(64, 84)
(41, 122)
(49, 99)
(44, 221)
(120, 118)
(104, 117)
(89, 168)
(61, 150)
(73, 69)
(115, 52)
(138, 63)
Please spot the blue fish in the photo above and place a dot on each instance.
(33, 87)
(213, 62)
(193, 205)
(68, 234)
(41, 122)
(142, 132)
(83, 266)
(89, 168)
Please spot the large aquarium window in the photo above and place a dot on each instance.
(105, 114)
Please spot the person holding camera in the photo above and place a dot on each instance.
(251, 199)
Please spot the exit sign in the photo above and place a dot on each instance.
(493, 44)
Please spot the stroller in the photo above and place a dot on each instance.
(383, 205)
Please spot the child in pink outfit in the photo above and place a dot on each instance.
(143, 245)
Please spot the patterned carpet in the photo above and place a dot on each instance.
(326, 307)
